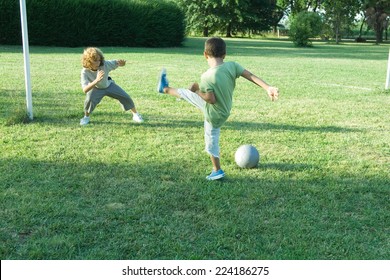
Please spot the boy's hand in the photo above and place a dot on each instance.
(99, 76)
(121, 62)
(194, 87)
(273, 93)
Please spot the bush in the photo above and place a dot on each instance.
(73, 23)
(304, 26)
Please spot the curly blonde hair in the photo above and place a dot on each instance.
(91, 54)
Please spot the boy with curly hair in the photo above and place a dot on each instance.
(96, 84)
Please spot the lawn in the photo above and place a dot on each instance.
(120, 190)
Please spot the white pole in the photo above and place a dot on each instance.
(26, 55)
(388, 73)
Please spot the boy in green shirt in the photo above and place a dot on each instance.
(214, 95)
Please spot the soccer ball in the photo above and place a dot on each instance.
(247, 156)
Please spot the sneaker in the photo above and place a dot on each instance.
(138, 118)
(84, 120)
(215, 175)
(162, 81)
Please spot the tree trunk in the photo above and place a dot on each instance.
(378, 28)
(337, 35)
(205, 31)
(379, 32)
(361, 28)
(379, 36)
(229, 30)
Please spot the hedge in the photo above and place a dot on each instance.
(75, 23)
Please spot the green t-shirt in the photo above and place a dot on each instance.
(221, 80)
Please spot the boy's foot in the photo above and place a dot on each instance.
(162, 81)
(84, 120)
(215, 175)
(138, 118)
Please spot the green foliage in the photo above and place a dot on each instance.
(293, 7)
(200, 18)
(229, 16)
(305, 25)
(339, 16)
(377, 14)
(93, 22)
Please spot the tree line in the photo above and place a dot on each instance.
(231, 17)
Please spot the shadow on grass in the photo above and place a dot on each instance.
(60, 112)
(286, 166)
(290, 127)
(147, 210)
(120, 119)
(238, 47)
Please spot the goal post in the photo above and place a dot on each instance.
(26, 55)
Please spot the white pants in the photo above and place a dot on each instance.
(211, 134)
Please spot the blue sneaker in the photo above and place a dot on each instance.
(215, 175)
(162, 81)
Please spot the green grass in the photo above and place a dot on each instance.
(119, 190)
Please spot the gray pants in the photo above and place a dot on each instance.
(95, 95)
(211, 134)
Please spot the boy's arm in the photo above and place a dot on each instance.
(121, 62)
(91, 85)
(209, 96)
(273, 92)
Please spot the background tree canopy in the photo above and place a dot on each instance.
(340, 15)
(230, 17)
(164, 23)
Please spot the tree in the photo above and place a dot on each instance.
(246, 15)
(251, 16)
(294, 7)
(340, 15)
(199, 15)
(255, 19)
(305, 25)
(229, 16)
(377, 14)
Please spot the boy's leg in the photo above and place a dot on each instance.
(127, 103)
(172, 91)
(212, 148)
(192, 98)
(211, 137)
(216, 163)
(188, 94)
(116, 92)
(92, 99)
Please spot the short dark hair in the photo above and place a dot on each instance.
(215, 47)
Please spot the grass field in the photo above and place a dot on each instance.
(119, 190)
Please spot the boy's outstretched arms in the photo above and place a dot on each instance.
(273, 92)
